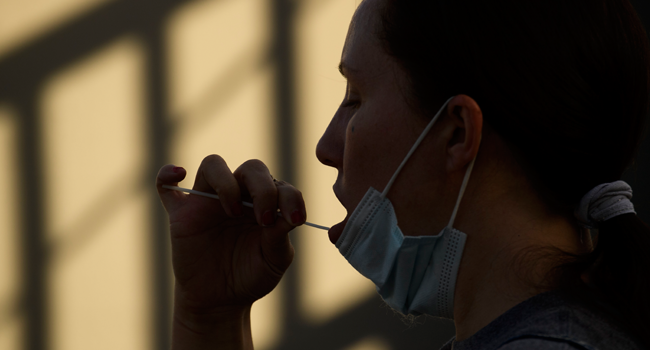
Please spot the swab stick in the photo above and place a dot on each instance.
(214, 196)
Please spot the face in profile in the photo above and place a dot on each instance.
(375, 126)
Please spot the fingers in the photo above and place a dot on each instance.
(291, 203)
(214, 176)
(253, 177)
(256, 178)
(277, 249)
(269, 195)
(170, 175)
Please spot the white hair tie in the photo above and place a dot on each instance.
(604, 202)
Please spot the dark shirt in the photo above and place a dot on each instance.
(551, 320)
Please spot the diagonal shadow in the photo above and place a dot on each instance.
(78, 235)
(244, 68)
(10, 310)
(29, 65)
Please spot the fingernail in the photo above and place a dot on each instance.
(268, 219)
(178, 169)
(296, 217)
(236, 209)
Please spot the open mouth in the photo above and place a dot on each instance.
(336, 231)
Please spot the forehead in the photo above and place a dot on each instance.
(362, 50)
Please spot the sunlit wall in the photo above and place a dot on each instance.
(93, 122)
(92, 114)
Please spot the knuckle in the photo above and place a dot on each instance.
(254, 164)
(251, 168)
(282, 183)
(213, 159)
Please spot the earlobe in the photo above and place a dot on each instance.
(468, 126)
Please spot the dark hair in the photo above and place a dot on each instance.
(566, 85)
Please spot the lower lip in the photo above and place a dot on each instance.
(335, 231)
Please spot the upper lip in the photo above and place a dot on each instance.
(336, 192)
(338, 196)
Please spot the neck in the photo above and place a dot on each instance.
(506, 257)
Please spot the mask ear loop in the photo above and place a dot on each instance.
(463, 186)
(415, 146)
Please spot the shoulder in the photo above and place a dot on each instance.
(561, 321)
(552, 320)
(540, 344)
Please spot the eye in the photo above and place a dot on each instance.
(352, 104)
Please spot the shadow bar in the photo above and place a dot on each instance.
(32, 222)
(153, 32)
(23, 73)
(283, 57)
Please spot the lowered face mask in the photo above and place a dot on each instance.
(413, 274)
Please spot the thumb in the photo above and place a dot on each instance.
(170, 175)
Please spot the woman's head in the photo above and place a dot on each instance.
(552, 79)
(377, 124)
(565, 83)
(558, 90)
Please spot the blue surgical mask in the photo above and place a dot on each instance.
(413, 274)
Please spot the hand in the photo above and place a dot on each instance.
(224, 255)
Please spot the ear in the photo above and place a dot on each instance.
(466, 121)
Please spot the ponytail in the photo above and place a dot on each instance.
(621, 271)
(615, 275)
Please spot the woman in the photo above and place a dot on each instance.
(542, 102)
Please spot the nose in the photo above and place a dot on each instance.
(331, 146)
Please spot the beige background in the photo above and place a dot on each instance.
(94, 134)
(90, 93)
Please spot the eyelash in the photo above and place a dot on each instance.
(352, 104)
